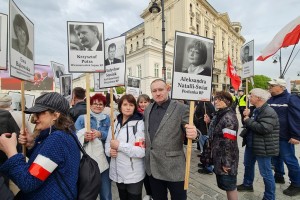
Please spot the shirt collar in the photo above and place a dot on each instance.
(164, 105)
(94, 48)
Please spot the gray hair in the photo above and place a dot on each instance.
(261, 93)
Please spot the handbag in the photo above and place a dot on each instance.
(206, 155)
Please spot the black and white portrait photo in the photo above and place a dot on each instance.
(192, 67)
(247, 53)
(21, 43)
(115, 63)
(3, 41)
(85, 38)
(133, 82)
(86, 46)
(66, 85)
(194, 55)
(111, 54)
(58, 70)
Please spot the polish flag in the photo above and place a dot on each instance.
(229, 134)
(42, 167)
(287, 36)
(231, 73)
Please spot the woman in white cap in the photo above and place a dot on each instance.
(53, 152)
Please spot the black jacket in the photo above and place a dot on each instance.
(265, 130)
(77, 110)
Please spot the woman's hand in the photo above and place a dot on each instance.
(113, 153)
(96, 134)
(88, 136)
(206, 119)
(114, 144)
(8, 144)
(226, 169)
(26, 138)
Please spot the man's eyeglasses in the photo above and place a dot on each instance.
(270, 86)
(98, 104)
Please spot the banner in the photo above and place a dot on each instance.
(21, 44)
(247, 54)
(86, 46)
(43, 78)
(192, 68)
(3, 41)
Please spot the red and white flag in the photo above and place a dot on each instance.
(231, 73)
(287, 36)
(229, 134)
(42, 167)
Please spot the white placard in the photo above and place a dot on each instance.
(58, 70)
(86, 46)
(192, 68)
(247, 54)
(3, 41)
(21, 44)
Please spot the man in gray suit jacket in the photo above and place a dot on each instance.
(165, 123)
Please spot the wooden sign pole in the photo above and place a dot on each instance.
(23, 114)
(189, 148)
(112, 113)
(88, 105)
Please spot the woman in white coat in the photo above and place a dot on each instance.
(127, 150)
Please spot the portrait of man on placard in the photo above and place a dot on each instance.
(112, 48)
(21, 40)
(66, 85)
(85, 38)
(193, 56)
(246, 57)
(133, 82)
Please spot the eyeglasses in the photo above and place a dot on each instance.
(270, 86)
(98, 104)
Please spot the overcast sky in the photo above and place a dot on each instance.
(261, 20)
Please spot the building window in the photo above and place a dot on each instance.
(144, 42)
(215, 78)
(191, 8)
(137, 45)
(156, 70)
(169, 74)
(129, 71)
(139, 70)
(131, 48)
(191, 21)
(197, 27)
(206, 33)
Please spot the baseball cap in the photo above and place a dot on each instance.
(50, 101)
(277, 81)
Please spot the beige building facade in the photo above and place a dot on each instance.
(198, 17)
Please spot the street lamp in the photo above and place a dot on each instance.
(155, 9)
(278, 57)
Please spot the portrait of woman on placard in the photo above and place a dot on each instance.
(197, 58)
(21, 31)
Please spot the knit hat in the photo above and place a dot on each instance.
(278, 81)
(50, 101)
(5, 100)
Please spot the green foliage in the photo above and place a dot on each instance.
(120, 89)
(260, 81)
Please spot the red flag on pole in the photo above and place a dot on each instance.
(288, 35)
(231, 73)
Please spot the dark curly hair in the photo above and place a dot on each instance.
(19, 21)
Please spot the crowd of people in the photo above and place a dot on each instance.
(145, 147)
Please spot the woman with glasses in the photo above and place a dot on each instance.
(225, 153)
(93, 140)
(53, 154)
(197, 58)
(127, 150)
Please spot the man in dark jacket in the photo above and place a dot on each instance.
(7, 125)
(285, 106)
(78, 103)
(262, 142)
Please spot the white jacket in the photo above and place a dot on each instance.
(128, 166)
(95, 150)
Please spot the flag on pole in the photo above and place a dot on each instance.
(288, 35)
(231, 73)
